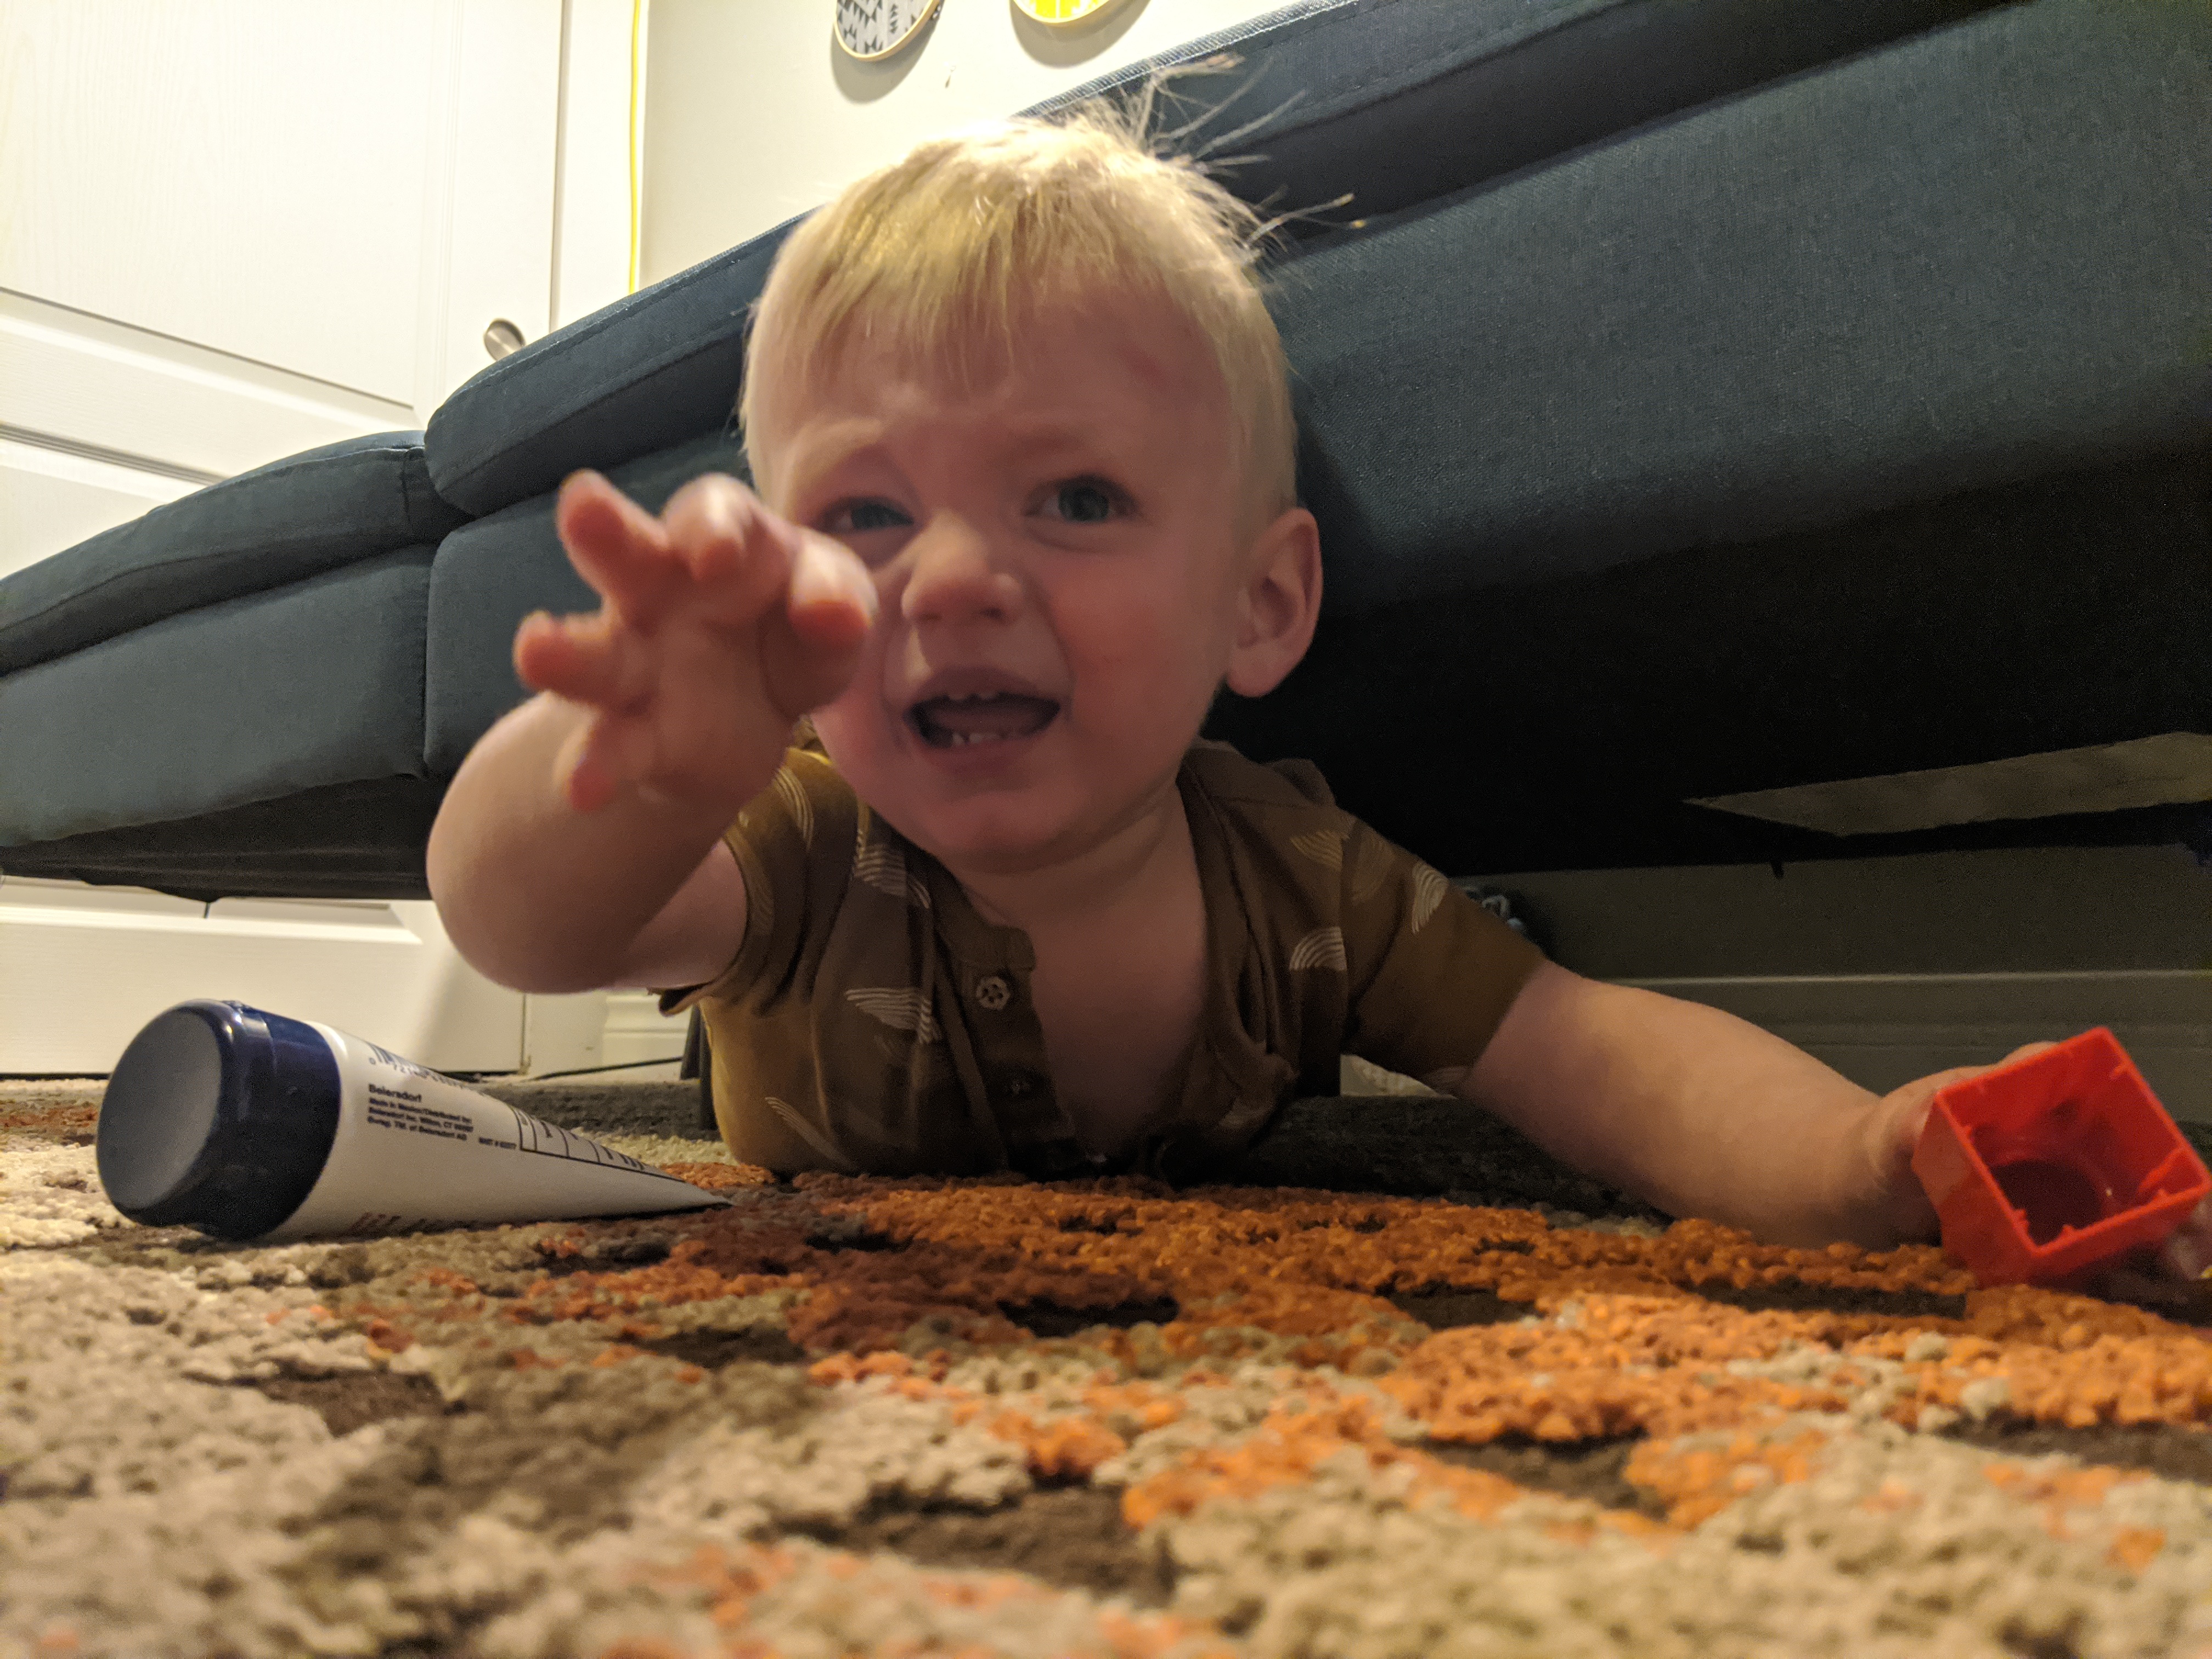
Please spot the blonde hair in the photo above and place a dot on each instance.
(947, 253)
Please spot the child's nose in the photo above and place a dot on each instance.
(952, 577)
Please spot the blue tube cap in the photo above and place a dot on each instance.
(218, 1116)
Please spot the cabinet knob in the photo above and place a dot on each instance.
(501, 336)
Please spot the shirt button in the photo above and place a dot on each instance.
(992, 993)
(1018, 1083)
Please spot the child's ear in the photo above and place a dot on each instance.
(1279, 604)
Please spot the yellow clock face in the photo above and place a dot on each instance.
(1057, 12)
(877, 28)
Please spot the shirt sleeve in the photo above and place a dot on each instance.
(794, 846)
(1432, 973)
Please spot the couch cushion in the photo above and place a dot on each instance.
(644, 372)
(493, 573)
(263, 529)
(1971, 257)
(1383, 104)
(1350, 95)
(314, 684)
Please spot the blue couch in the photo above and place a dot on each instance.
(1696, 397)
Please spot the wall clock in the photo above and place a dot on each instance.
(1053, 13)
(877, 28)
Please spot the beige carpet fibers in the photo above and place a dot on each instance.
(1475, 1409)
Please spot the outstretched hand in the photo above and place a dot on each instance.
(2152, 1275)
(720, 625)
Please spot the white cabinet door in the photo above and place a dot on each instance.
(231, 230)
(237, 228)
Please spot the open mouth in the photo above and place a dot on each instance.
(954, 722)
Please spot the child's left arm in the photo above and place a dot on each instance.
(1704, 1114)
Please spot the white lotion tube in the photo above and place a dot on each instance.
(249, 1125)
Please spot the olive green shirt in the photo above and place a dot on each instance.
(874, 1022)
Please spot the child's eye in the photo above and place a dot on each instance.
(857, 518)
(1086, 500)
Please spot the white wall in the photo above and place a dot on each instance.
(757, 114)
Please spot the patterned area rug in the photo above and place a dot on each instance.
(1111, 1420)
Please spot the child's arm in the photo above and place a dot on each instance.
(579, 844)
(543, 898)
(1704, 1114)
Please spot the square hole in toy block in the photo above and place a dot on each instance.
(2056, 1165)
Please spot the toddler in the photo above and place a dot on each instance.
(1019, 424)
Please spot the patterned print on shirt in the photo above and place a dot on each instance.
(1370, 866)
(1321, 948)
(902, 1008)
(1429, 890)
(793, 794)
(807, 1133)
(1324, 847)
(882, 865)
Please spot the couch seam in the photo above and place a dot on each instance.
(633, 385)
(671, 356)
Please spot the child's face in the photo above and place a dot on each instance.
(1058, 562)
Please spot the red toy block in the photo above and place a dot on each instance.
(2049, 1168)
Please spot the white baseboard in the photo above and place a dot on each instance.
(83, 968)
(564, 1034)
(637, 1032)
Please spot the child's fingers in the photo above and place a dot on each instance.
(618, 546)
(1895, 1130)
(833, 597)
(585, 787)
(810, 658)
(1960, 1074)
(545, 648)
(1923, 1091)
(738, 554)
(586, 659)
(1905, 1110)
(1907, 1107)
(2187, 1252)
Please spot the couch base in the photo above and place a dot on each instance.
(362, 840)
(366, 841)
(1568, 724)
